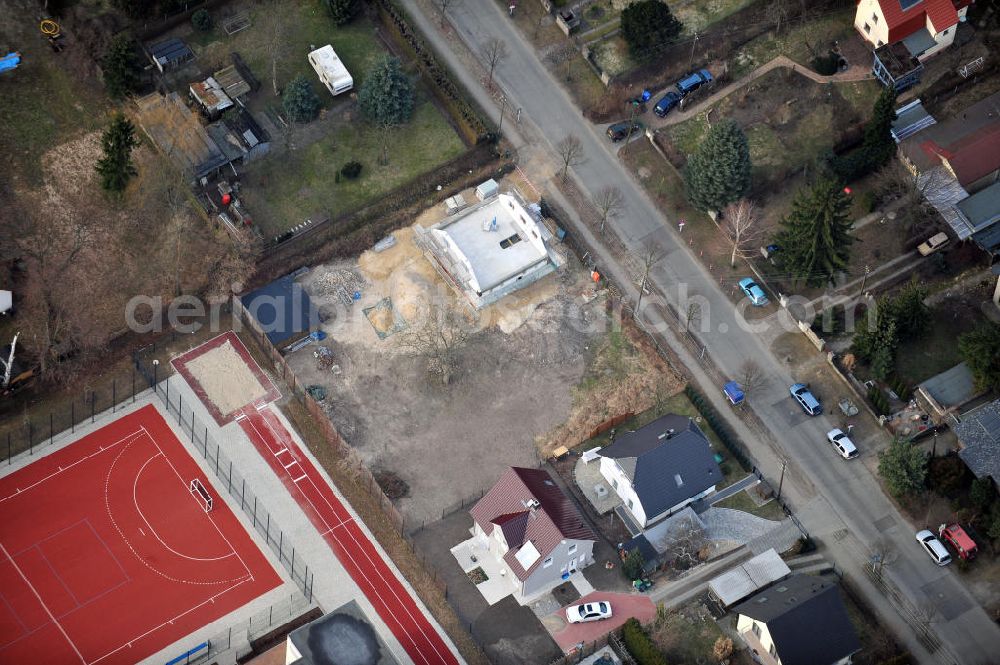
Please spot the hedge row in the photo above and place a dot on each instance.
(639, 644)
(469, 120)
(878, 400)
(726, 435)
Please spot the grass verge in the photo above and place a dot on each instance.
(742, 501)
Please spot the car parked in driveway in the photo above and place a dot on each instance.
(842, 443)
(596, 611)
(693, 81)
(935, 548)
(806, 399)
(619, 130)
(753, 291)
(667, 103)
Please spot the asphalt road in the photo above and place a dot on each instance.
(838, 501)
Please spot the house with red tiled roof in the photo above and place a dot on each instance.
(926, 26)
(904, 33)
(529, 533)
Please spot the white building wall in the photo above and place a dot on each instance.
(870, 23)
(567, 555)
(760, 643)
(622, 486)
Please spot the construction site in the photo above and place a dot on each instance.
(426, 386)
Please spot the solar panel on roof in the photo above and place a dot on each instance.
(906, 4)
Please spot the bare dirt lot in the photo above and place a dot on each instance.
(447, 440)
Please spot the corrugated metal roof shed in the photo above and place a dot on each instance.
(750, 576)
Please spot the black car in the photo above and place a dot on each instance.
(667, 103)
(620, 130)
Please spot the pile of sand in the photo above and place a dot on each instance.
(224, 376)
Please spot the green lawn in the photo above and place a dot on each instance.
(46, 102)
(307, 24)
(742, 501)
(920, 359)
(286, 191)
(685, 639)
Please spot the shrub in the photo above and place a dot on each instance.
(633, 564)
(947, 475)
(351, 170)
(982, 493)
(300, 101)
(826, 64)
(638, 643)
(202, 20)
(868, 201)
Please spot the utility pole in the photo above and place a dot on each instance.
(864, 280)
(693, 43)
(781, 482)
(631, 120)
(503, 106)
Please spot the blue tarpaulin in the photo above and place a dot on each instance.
(733, 392)
(10, 61)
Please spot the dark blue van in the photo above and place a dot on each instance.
(692, 82)
(667, 103)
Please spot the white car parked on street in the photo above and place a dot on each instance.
(845, 447)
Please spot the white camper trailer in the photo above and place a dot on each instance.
(331, 70)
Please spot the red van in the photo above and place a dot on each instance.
(955, 535)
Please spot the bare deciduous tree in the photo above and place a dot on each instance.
(654, 254)
(692, 315)
(443, 7)
(276, 42)
(740, 224)
(8, 363)
(777, 13)
(609, 202)
(438, 339)
(883, 553)
(495, 51)
(570, 150)
(751, 376)
(686, 545)
(723, 648)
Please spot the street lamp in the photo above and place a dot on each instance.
(156, 366)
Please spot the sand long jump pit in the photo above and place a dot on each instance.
(225, 377)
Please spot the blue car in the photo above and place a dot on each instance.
(693, 81)
(667, 103)
(806, 400)
(753, 291)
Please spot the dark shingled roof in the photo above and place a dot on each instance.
(653, 458)
(554, 520)
(806, 618)
(282, 309)
(979, 433)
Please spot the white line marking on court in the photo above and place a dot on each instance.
(299, 478)
(239, 417)
(42, 603)
(292, 463)
(141, 531)
(79, 461)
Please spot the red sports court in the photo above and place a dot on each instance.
(109, 553)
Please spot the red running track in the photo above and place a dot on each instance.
(353, 549)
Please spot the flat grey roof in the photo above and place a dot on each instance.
(952, 387)
(491, 263)
(910, 119)
(343, 636)
(982, 209)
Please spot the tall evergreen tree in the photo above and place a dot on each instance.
(115, 167)
(386, 96)
(648, 25)
(121, 72)
(903, 466)
(980, 349)
(718, 173)
(878, 142)
(300, 100)
(342, 11)
(908, 309)
(816, 240)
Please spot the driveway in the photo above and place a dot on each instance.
(623, 607)
(840, 503)
(510, 633)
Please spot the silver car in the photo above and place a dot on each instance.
(842, 443)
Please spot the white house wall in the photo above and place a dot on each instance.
(579, 553)
(760, 643)
(869, 15)
(622, 486)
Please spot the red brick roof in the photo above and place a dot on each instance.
(976, 155)
(554, 520)
(942, 14)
